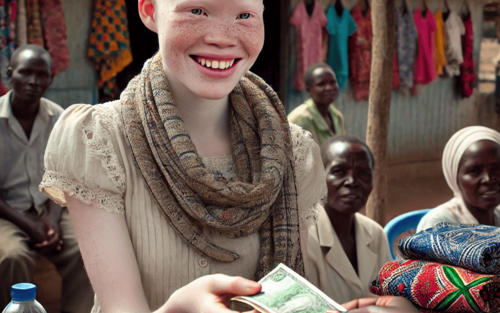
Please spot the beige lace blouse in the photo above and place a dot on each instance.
(89, 157)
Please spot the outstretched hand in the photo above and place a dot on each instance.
(383, 304)
(211, 293)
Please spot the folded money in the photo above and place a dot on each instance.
(284, 291)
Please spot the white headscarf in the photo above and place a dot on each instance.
(456, 147)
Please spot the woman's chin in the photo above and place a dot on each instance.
(212, 93)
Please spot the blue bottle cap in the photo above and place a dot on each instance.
(23, 292)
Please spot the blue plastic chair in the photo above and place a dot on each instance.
(401, 227)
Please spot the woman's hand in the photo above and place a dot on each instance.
(383, 304)
(211, 293)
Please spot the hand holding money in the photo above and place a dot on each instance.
(284, 291)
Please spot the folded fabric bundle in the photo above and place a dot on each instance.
(475, 247)
(438, 287)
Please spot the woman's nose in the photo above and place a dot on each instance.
(222, 35)
(487, 177)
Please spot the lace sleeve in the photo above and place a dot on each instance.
(81, 159)
(310, 173)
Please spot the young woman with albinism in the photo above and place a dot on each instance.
(194, 171)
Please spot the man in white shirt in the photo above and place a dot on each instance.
(30, 223)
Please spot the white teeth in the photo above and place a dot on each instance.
(222, 65)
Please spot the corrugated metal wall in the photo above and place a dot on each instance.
(77, 84)
(421, 125)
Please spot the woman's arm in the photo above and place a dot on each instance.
(108, 256)
(112, 268)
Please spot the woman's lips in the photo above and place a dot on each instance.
(222, 68)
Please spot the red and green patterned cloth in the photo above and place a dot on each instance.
(109, 42)
(439, 288)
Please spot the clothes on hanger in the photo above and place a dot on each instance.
(308, 40)
(406, 45)
(339, 29)
(35, 30)
(454, 30)
(425, 63)
(54, 26)
(439, 43)
(468, 77)
(360, 53)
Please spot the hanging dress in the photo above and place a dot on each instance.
(454, 30)
(406, 46)
(308, 40)
(339, 29)
(360, 54)
(468, 77)
(439, 43)
(425, 63)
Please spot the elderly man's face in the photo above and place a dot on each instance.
(208, 45)
(31, 76)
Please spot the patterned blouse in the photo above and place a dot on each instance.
(406, 45)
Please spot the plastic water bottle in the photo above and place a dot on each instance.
(23, 300)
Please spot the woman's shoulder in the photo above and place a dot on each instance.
(83, 156)
(445, 212)
(79, 114)
(300, 113)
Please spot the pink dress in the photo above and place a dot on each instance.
(425, 62)
(308, 40)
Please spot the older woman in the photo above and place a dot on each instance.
(194, 171)
(471, 166)
(345, 249)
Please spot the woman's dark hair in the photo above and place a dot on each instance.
(325, 147)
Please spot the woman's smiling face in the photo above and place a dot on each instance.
(208, 45)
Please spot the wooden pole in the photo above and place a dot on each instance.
(379, 103)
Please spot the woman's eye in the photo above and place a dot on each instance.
(197, 11)
(244, 16)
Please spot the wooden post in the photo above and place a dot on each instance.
(379, 103)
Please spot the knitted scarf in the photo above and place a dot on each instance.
(261, 198)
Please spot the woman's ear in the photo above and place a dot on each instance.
(147, 14)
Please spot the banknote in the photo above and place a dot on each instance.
(284, 291)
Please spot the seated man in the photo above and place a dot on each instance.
(317, 114)
(29, 221)
(345, 249)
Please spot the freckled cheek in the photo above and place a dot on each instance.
(253, 40)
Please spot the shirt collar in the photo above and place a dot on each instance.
(326, 232)
(44, 110)
(5, 110)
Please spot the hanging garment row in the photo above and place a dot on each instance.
(427, 45)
